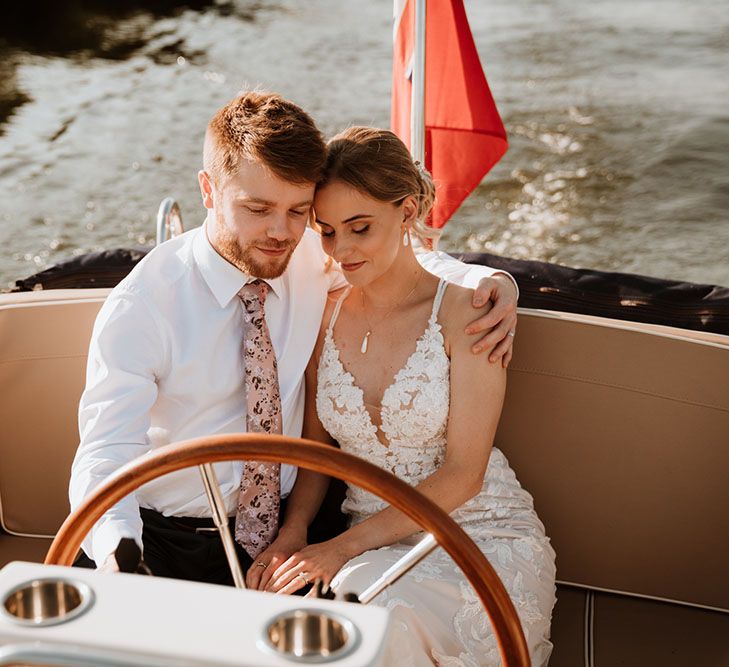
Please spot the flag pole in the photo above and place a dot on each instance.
(417, 102)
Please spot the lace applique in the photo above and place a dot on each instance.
(414, 412)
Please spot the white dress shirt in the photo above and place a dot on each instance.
(164, 365)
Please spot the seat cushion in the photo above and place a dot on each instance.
(44, 342)
(568, 627)
(633, 632)
(30, 549)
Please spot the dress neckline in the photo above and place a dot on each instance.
(329, 343)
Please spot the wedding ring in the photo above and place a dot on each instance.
(303, 576)
(260, 564)
(511, 333)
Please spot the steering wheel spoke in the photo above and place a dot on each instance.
(220, 517)
(426, 546)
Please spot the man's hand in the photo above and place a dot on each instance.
(500, 320)
(289, 540)
(109, 565)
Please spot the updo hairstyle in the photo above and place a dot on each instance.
(377, 163)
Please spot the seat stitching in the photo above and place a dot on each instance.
(577, 378)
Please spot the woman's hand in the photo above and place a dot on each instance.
(261, 571)
(317, 561)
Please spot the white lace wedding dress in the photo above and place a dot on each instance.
(437, 617)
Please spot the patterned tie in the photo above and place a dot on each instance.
(256, 522)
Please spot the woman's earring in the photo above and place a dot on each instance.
(406, 238)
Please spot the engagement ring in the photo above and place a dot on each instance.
(261, 564)
(511, 333)
(303, 576)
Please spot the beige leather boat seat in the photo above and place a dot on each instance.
(44, 338)
(32, 549)
(619, 431)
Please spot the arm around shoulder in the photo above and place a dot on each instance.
(455, 271)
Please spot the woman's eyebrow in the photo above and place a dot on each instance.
(354, 218)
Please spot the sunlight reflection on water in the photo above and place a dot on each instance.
(616, 113)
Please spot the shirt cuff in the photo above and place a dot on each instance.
(467, 275)
(513, 280)
(477, 272)
(106, 537)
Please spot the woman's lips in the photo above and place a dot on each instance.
(351, 267)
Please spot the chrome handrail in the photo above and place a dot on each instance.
(169, 220)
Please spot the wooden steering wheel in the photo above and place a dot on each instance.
(319, 458)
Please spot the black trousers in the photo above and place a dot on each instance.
(184, 548)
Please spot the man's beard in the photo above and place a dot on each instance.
(244, 259)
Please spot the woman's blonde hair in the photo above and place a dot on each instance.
(377, 163)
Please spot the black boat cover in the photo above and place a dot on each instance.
(104, 268)
(622, 296)
(542, 285)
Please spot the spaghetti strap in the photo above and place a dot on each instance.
(337, 308)
(438, 298)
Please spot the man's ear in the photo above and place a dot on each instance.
(206, 188)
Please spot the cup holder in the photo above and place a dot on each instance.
(310, 635)
(49, 601)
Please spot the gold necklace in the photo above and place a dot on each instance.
(365, 340)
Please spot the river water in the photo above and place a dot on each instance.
(617, 113)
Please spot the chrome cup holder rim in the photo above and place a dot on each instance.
(85, 592)
(351, 642)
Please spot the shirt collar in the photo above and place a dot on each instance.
(223, 279)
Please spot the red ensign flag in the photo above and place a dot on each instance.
(464, 135)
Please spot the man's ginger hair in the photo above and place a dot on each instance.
(264, 127)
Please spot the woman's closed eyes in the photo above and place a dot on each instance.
(328, 232)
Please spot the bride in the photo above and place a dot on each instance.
(393, 380)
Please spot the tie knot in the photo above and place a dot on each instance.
(253, 296)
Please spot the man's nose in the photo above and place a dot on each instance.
(279, 227)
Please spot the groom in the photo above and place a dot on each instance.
(211, 333)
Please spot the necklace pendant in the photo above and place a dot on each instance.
(363, 347)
